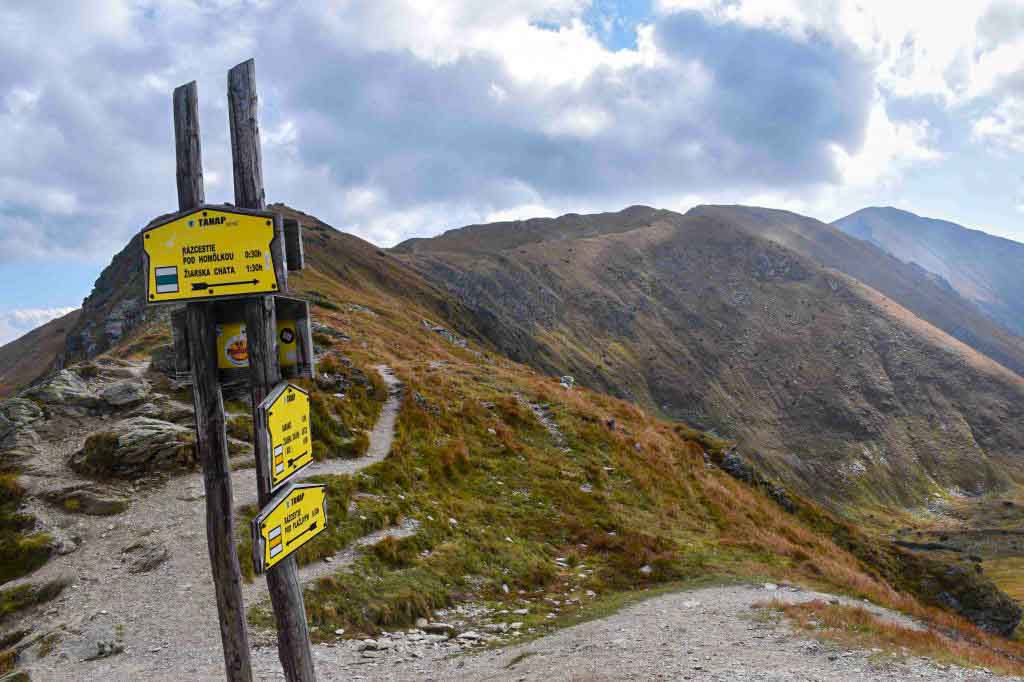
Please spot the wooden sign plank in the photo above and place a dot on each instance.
(290, 520)
(214, 252)
(284, 414)
(293, 244)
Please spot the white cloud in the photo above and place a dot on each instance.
(1003, 127)
(579, 122)
(403, 117)
(888, 149)
(18, 321)
(919, 47)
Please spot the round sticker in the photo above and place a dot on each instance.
(287, 335)
(236, 350)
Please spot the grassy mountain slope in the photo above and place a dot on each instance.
(567, 502)
(832, 385)
(33, 354)
(506, 471)
(984, 269)
(929, 297)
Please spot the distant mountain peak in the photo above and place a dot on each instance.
(983, 268)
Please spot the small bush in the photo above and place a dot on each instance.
(241, 427)
(327, 305)
(99, 451)
(322, 340)
(87, 370)
(21, 553)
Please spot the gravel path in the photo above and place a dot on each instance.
(166, 618)
(706, 634)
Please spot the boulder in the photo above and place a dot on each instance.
(165, 409)
(87, 499)
(126, 392)
(64, 388)
(162, 359)
(134, 447)
(15, 413)
(144, 556)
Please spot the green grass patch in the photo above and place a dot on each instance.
(19, 598)
(22, 550)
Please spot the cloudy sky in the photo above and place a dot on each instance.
(400, 118)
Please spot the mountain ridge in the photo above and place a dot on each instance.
(710, 320)
(986, 269)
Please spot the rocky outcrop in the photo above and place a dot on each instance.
(67, 389)
(162, 359)
(134, 447)
(124, 393)
(16, 413)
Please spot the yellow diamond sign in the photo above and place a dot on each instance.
(293, 518)
(285, 416)
(211, 253)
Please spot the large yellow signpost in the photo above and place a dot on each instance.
(290, 520)
(285, 416)
(212, 253)
(229, 264)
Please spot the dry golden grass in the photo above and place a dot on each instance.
(856, 626)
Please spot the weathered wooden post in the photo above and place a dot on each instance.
(264, 371)
(211, 438)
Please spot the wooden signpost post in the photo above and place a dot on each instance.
(211, 437)
(264, 369)
(227, 264)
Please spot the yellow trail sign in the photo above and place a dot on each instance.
(284, 413)
(290, 520)
(212, 253)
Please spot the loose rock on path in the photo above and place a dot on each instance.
(710, 634)
(165, 616)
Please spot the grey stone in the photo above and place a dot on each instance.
(90, 499)
(145, 555)
(142, 445)
(64, 388)
(126, 392)
(438, 628)
(163, 360)
(16, 415)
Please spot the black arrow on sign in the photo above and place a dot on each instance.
(311, 528)
(292, 461)
(202, 286)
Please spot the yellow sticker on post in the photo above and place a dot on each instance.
(284, 413)
(233, 345)
(290, 520)
(212, 253)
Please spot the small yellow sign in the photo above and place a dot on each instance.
(289, 521)
(286, 415)
(233, 345)
(210, 253)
